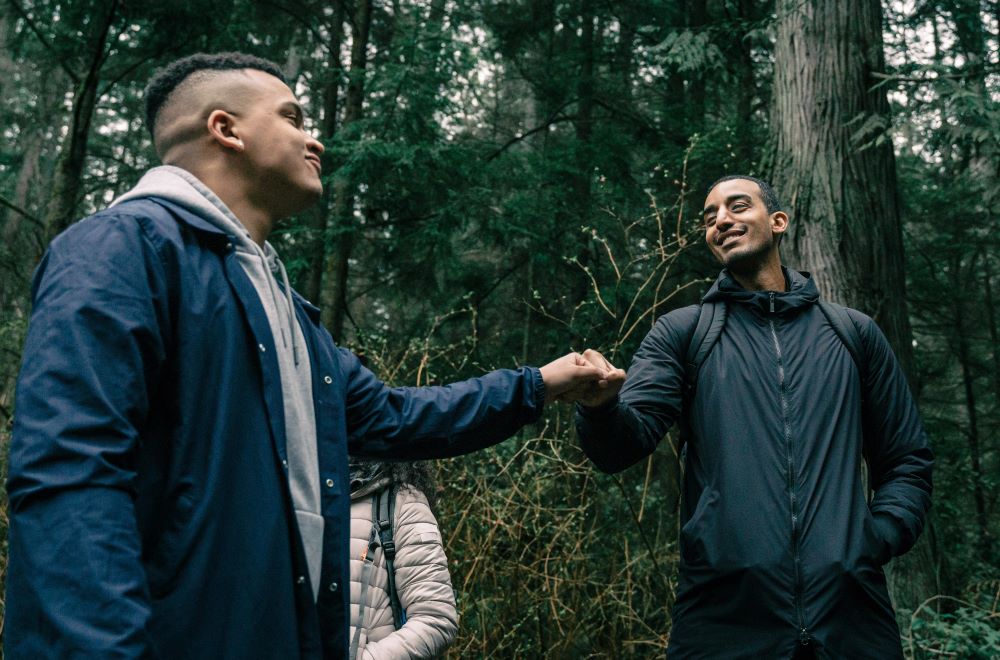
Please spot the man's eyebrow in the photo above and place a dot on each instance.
(729, 200)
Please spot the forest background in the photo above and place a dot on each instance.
(507, 181)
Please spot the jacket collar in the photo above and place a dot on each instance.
(801, 293)
(217, 237)
(183, 215)
(311, 310)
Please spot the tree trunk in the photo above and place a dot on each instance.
(319, 219)
(833, 166)
(744, 143)
(696, 14)
(334, 291)
(580, 180)
(972, 434)
(69, 170)
(991, 319)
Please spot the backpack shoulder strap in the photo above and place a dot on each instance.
(385, 520)
(708, 327)
(367, 562)
(848, 333)
(711, 320)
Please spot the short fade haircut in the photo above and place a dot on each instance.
(167, 79)
(767, 194)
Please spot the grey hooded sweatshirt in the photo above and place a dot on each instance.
(262, 266)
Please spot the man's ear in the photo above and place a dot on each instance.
(222, 127)
(779, 222)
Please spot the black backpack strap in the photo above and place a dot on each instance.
(711, 320)
(386, 513)
(849, 334)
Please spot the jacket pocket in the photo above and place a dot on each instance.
(876, 547)
(696, 548)
(173, 542)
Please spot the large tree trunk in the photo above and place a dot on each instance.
(334, 291)
(833, 166)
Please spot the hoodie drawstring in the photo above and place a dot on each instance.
(287, 303)
(291, 308)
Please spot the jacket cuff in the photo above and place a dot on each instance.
(597, 412)
(539, 389)
(889, 532)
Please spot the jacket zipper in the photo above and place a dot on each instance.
(790, 462)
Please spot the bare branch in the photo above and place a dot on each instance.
(17, 209)
(555, 118)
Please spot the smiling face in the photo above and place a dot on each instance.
(739, 231)
(279, 158)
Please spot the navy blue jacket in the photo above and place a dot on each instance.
(778, 544)
(150, 513)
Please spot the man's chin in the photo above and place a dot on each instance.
(306, 200)
(741, 261)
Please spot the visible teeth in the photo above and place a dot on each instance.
(726, 238)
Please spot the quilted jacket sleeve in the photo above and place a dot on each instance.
(896, 447)
(75, 584)
(622, 433)
(423, 583)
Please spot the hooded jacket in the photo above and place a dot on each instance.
(151, 510)
(423, 582)
(778, 544)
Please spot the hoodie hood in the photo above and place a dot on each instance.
(801, 293)
(180, 187)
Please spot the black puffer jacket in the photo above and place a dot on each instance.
(778, 543)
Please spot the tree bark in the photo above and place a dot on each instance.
(833, 165)
(69, 169)
(991, 319)
(696, 14)
(972, 434)
(832, 162)
(744, 144)
(580, 180)
(334, 291)
(319, 219)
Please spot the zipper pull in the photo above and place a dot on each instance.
(772, 302)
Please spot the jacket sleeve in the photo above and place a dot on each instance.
(423, 584)
(623, 432)
(410, 423)
(76, 587)
(896, 447)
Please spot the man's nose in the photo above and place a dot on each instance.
(314, 145)
(722, 218)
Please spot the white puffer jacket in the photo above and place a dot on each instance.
(422, 581)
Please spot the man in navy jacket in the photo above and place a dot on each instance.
(780, 553)
(178, 469)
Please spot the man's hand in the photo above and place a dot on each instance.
(587, 378)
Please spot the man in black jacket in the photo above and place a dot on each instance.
(780, 553)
